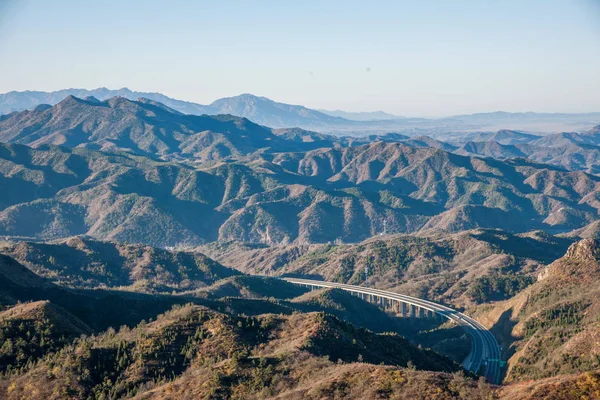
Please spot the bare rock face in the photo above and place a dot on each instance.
(581, 261)
(585, 250)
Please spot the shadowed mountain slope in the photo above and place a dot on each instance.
(180, 353)
(461, 269)
(142, 127)
(552, 327)
(323, 195)
(84, 263)
(259, 355)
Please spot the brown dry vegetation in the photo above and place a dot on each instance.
(553, 327)
(459, 269)
(193, 351)
(256, 190)
(584, 386)
(88, 264)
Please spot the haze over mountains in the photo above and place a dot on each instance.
(143, 127)
(264, 111)
(361, 116)
(311, 200)
(242, 181)
(139, 206)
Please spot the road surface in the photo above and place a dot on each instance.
(485, 351)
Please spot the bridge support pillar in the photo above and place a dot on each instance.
(421, 313)
(413, 311)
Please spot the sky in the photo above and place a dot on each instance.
(410, 58)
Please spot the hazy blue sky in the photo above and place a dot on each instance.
(407, 57)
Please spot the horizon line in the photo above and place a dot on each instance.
(321, 110)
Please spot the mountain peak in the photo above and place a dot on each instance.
(42, 107)
(595, 130)
(581, 263)
(264, 111)
(119, 101)
(250, 96)
(70, 101)
(508, 132)
(157, 104)
(584, 250)
(244, 98)
(70, 98)
(91, 99)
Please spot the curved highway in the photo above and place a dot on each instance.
(485, 351)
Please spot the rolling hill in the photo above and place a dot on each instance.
(193, 352)
(87, 264)
(174, 352)
(571, 151)
(318, 196)
(140, 127)
(259, 354)
(462, 269)
(503, 136)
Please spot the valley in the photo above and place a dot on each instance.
(67, 163)
(195, 228)
(316, 200)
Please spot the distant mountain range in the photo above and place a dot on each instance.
(106, 203)
(361, 116)
(264, 111)
(149, 128)
(569, 150)
(139, 171)
(325, 195)
(258, 109)
(139, 127)
(27, 100)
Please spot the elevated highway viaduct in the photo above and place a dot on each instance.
(485, 351)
